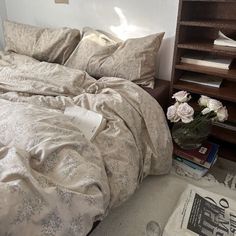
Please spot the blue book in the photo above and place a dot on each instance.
(211, 159)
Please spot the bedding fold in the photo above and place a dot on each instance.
(55, 181)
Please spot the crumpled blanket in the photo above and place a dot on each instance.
(53, 181)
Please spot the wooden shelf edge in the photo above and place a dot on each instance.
(208, 47)
(227, 94)
(219, 24)
(224, 134)
(227, 74)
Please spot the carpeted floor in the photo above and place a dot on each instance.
(156, 198)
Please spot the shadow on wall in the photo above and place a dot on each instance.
(165, 58)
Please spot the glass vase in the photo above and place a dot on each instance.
(191, 135)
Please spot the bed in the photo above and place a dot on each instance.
(53, 179)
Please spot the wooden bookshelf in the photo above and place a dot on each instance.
(198, 24)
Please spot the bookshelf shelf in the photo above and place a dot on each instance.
(227, 74)
(230, 107)
(208, 46)
(226, 92)
(198, 24)
(224, 134)
(219, 24)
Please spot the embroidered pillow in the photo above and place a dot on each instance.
(44, 44)
(101, 55)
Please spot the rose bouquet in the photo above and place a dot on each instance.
(191, 127)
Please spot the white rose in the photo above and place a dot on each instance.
(181, 96)
(222, 114)
(203, 101)
(185, 112)
(214, 105)
(172, 113)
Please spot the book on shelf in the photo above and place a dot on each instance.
(189, 168)
(202, 79)
(223, 40)
(204, 156)
(207, 60)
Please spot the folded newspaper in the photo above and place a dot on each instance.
(89, 122)
(202, 213)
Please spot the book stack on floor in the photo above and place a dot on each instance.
(196, 162)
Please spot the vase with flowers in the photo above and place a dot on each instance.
(191, 127)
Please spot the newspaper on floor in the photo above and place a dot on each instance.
(203, 213)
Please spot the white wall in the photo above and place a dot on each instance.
(3, 15)
(125, 18)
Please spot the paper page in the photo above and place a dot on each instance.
(89, 122)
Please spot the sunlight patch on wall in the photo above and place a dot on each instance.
(126, 30)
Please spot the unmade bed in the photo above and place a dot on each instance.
(54, 180)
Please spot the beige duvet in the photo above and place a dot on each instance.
(52, 180)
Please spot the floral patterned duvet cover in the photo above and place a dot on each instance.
(53, 181)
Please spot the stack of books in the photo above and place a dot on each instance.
(196, 162)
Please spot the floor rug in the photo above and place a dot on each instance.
(157, 197)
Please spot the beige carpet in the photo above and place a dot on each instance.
(156, 199)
